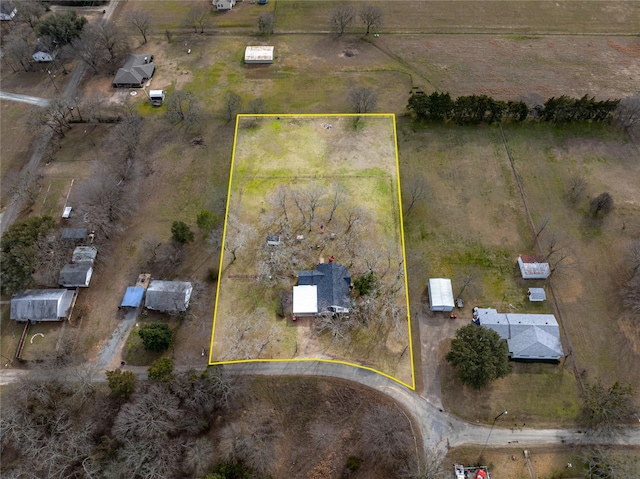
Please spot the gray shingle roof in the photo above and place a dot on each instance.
(135, 70)
(333, 282)
(528, 336)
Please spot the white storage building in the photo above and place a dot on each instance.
(258, 54)
(440, 294)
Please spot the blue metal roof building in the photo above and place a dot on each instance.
(132, 297)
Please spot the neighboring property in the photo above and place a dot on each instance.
(326, 288)
(528, 336)
(533, 267)
(168, 296)
(440, 294)
(75, 275)
(536, 294)
(84, 255)
(224, 4)
(135, 71)
(8, 10)
(44, 52)
(41, 305)
(78, 235)
(258, 54)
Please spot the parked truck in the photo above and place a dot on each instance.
(156, 97)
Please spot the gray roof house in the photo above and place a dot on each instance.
(84, 255)
(8, 10)
(75, 234)
(528, 336)
(44, 52)
(75, 275)
(41, 305)
(326, 288)
(135, 71)
(168, 296)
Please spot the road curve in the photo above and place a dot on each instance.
(32, 100)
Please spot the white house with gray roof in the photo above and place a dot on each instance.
(528, 336)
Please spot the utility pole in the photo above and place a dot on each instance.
(490, 431)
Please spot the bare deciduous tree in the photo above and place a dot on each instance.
(577, 185)
(342, 17)
(232, 103)
(257, 106)
(17, 48)
(141, 21)
(182, 106)
(30, 12)
(266, 22)
(386, 436)
(371, 16)
(55, 116)
(628, 111)
(92, 52)
(415, 192)
(363, 100)
(112, 40)
(198, 19)
(607, 411)
(52, 253)
(608, 463)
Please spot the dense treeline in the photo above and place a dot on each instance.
(441, 107)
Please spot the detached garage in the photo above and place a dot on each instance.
(440, 294)
(258, 54)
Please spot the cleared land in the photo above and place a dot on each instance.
(328, 186)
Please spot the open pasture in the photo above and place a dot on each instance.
(328, 186)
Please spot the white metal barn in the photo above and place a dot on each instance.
(440, 294)
(258, 54)
(533, 267)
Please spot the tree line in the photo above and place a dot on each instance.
(470, 109)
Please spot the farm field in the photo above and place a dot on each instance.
(328, 188)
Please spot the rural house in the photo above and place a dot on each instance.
(135, 71)
(326, 288)
(440, 294)
(8, 10)
(75, 275)
(168, 296)
(44, 52)
(528, 336)
(224, 4)
(533, 267)
(41, 305)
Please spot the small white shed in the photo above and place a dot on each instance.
(536, 294)
(224, 4)
(258, 54)
(441, 294)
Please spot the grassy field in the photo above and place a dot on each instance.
(287, 161)
(468, 16)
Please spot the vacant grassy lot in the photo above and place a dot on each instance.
(336, 186)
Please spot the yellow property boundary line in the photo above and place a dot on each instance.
(411, 386)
